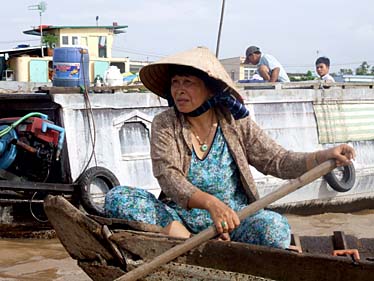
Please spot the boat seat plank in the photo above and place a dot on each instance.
(126, 224)
(144, 245)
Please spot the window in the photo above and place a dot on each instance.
(232, 74)
(135, 67)
(248, 73)
(65, 40)
(84, 41)
(75, 40)
(134, 139)
(120, 65)
(133, 130)
(102, 47)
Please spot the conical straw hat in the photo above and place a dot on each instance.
(155, 75)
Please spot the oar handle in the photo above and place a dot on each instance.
(287, 188)
(211, 232)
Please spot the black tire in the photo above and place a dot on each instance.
(92, 180)
(342, 179)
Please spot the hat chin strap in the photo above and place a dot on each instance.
(237, 109)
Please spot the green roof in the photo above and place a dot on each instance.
(36, 31)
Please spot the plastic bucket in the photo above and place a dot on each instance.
(71, 67)
(113, 76)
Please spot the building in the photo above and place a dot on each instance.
(98, 39)
(237, 70)
(355, 78)
(34, 64)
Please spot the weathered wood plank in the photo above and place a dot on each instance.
(83, 239)
(80, 235)
(340, 243)
(100, 272)
(125, 224)
(250, 259)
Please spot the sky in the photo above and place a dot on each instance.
(295, 32)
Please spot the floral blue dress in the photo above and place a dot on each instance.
(216, 174)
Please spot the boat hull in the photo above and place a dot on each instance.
(101, 248)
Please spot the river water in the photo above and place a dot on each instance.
(39, 260)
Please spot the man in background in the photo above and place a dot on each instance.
(323, 68)
(268, 67)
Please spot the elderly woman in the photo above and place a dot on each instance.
(201, 150)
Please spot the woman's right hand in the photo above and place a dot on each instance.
(224, 218)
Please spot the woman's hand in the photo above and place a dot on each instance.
(343, 155)
(224, 218)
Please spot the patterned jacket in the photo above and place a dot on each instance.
(171, 151)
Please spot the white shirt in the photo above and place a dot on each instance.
(271, 62)
(328, 78)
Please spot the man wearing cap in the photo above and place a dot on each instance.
(267, 66)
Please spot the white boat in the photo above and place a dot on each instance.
(301, 117)
(111, 131)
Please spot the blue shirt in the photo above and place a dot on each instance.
(216, 174)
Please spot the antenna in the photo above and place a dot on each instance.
(220, 28)
(41, 7)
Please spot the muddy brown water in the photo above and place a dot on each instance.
(40, 259)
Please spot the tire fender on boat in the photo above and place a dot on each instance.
(346, 179)
(94, 183)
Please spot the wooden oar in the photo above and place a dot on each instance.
(211, 232)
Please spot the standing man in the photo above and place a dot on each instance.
(323, 68)
(267, 66)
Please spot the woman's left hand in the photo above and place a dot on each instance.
(343, 155)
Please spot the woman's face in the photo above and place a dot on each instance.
(188, 92)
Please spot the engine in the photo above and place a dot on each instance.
(29, 146)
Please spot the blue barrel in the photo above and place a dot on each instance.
(71, 67)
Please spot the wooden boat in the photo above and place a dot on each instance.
(108, 248)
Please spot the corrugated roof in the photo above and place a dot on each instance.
(36, 31)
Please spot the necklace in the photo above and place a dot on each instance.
(203, 144)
